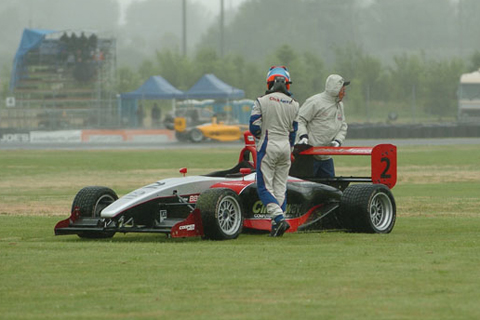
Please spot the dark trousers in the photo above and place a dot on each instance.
(324, 168)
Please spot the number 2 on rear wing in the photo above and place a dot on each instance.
(383, 158)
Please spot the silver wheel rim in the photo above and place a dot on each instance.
(102, 202)
(229, 215)
(381, 211)
(196, 135)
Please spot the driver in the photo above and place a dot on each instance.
(272, 122)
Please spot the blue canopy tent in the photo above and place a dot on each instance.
(31, 38)
(154, 88)
(210, 87)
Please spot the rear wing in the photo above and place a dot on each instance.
(383, 162)
(383, 159)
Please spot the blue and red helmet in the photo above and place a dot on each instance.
(278, 71)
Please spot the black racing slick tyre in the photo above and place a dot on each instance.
(181, 136)
(196, 135)
(368, 208)
(90, 201)
(222, 214)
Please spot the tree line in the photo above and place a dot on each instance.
(377, 90)
(402, 56)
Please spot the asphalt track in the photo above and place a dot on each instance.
(216, 144)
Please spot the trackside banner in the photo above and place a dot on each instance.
(88, 136)
(65, 136)
(15, 138)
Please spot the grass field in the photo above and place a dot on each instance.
(427, 268)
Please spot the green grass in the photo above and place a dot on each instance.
(427, 268)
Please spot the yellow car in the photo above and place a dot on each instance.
(216, 130)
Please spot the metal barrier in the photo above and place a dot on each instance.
(440, 130)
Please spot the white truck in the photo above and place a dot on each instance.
(469, 97)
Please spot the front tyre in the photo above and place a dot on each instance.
(368, 208)
(222, 214)
(90, 201)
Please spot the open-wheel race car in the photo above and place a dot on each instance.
(214, 130)
(221, 204)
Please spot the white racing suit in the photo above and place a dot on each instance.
(273, 123)
(322, 117)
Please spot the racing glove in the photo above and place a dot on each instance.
(335, 143)
(303, 139)
(301, 145)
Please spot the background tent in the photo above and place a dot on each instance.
(154, 88)
(210, 87)
(31, 38)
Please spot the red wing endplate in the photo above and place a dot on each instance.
(190, 227)
(383, 160)
(384, 164)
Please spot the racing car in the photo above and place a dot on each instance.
(215, 130)
(221, 205)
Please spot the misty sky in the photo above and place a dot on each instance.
(157, 25)
(212, 5)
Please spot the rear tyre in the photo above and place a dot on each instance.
(91, 201)
(368, 208)
(222, 214)
(196, 135)
(181, 136)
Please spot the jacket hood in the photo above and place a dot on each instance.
(333, 84)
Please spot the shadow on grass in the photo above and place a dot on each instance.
(133, 238)
(247, 235)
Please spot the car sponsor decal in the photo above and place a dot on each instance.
(188, 227)
(260, 211)
(193, 198)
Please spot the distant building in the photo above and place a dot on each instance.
(62, 79)
(469, 97)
